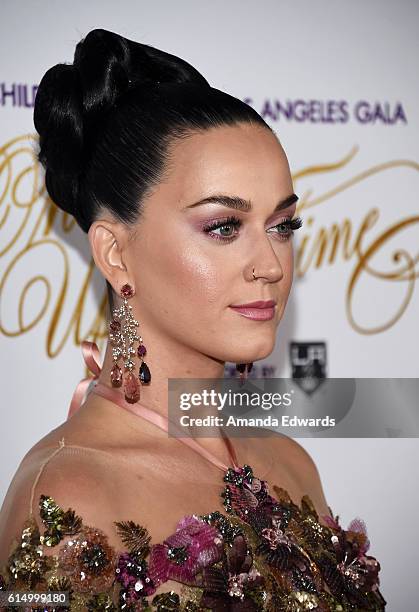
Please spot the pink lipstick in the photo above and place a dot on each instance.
(261, 310)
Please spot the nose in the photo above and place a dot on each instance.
(266, 263)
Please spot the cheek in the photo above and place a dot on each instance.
(188, 271)
(200, 277)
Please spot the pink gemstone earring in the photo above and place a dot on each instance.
(122, 336)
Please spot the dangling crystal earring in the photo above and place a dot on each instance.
(122, 337)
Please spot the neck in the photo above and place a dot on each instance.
(162, 423)
(169, 360)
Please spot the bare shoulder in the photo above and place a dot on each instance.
(302, 469)
(69, 477)
(295, 452)
(288, 452)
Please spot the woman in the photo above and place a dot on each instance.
(187, 200)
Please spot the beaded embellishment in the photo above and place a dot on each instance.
(263, 553)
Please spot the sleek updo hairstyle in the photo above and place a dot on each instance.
(105, 123)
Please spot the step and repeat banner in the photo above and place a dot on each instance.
(338, 84)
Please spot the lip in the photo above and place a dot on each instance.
(263, 311)
(257, 304)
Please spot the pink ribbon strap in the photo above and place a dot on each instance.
(91, 356)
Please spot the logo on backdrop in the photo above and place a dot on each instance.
(330, 111)
(308, 364)
(17, 94)
(299, 111)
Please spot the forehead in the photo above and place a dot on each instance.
(244, 159)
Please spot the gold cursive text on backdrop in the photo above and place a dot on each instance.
(33, 230)
(322, 247)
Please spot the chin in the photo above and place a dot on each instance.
(253, 353)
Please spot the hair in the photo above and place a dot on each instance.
(106, 121)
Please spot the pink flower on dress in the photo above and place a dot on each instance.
(358, 526)
(132, 574)
(193, 546)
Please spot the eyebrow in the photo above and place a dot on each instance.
(240, 204)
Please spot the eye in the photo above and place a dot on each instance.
(225, 225)
(229, 226)
(286, 227)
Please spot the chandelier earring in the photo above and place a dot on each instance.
(123, 335)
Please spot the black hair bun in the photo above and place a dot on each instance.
(73, 99)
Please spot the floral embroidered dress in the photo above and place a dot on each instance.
(257, 551)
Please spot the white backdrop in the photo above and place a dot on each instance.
(338, 83)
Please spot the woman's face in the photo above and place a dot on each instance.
(187, 273)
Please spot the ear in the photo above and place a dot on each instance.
(107, 240)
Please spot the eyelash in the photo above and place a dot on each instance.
(292, 224)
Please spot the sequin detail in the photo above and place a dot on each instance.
(263, 553)
(88, 560)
